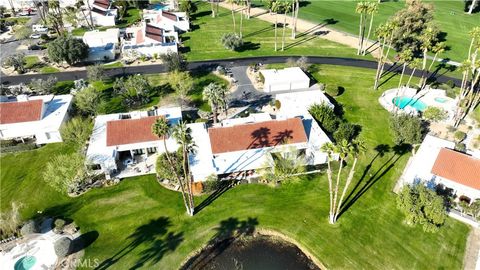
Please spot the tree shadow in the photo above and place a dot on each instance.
(84, 241)
(248, 46)
(226, 233)
(156, 235)
(314, 29)
(363, 187)
(224, 187)
(467, 4)
(266, 29)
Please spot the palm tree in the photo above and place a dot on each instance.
(437, 49)
(342, 149)
(372, 8)
(295, 8)
(276, 7)
(475, 35)
(405, 57)
(285, 8)
(241, 3)
(232, 3)
(354, 149)
(212, 6)
(183, 135)
(329, 149)
(414, 65)
(161, 128)
(472, 6)
(213, 93)
(361, 8)
(79, 6)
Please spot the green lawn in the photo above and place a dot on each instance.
(449, 14)
(141, 224)
(203, 42)
(49, 69)
(133, 16)
(115, 64)
(31, 61)
(79, 31)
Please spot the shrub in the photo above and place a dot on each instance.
(211, 183)
(77, 130)
(450, 84)
(135, 90)
(422, 206)
(165, 171)
(68, 49)
(232, 41)
(63, 247)
(174, 61)
(459, 136)
(17, 61)
(334, 90)
(87, 101)
(325, 116)
(406, 129)
(41, 86)
(461, 147)
(278, 104)
(434, 114)
(30, 227)
(345, 131)
(64, 172)
(59, 224)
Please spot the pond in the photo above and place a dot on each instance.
(260, 252)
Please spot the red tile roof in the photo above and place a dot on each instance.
(169, 15)
(21, 111)
(256, 135)
(129, 131)
(458, 167)
(102, 3)
(154, 33)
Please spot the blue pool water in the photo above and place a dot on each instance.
(440, 99)
(402, 102)
(160, 7)
(25, 263)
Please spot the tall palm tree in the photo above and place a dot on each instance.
(276, 7)
(183, 135)
(414, 65)
(354, 149)
(213, 93)
(329, 149)
(232, 6)
(361, 9)
(161, 128)
(437, 49)
(79, 7)
(473, 4)
(342, 149)
(371, 9)
(295, 7)
(285, 8)
(212, 7)
(405, 57)
(475, 39)
(242, 4)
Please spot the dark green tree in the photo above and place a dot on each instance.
(67, 49)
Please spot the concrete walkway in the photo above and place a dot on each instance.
(305, 27)
(472, 251)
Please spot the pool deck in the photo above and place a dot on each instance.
(430, 97)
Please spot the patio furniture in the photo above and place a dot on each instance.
(128, 162)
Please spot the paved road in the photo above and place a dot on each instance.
(211, 64)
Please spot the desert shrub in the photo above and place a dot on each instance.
(461, 147)
(406, 129)
(459, 135)
(96, 72)
(450, 84)
(30, 227)
(231, 41)
(421, 205)
(165, 171)
(211, 183)
(334, 90)
(59, 224)
(434, 114)
(325, 116)
(63, 247)
(345, 131)
(278, 104)
(77, 130)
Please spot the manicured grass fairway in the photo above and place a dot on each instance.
(449, 15)
(204, 41)
(130, 217)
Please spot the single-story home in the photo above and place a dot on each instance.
(123, 145)
(36, 117)
(286, 79)
(242, 146)
(103, 45)
(103, 12)
(176, 21)
(148, 40)
(436, 162)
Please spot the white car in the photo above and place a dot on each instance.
(35, 36)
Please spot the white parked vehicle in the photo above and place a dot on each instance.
(39, 28)
(35, 36)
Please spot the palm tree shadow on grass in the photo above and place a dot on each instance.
(382, 149)
(226, 232)
(156, 235)
(224, 187)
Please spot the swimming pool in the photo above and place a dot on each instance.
(25, 263)
(440, 99)
(403, 101)
(160, 7)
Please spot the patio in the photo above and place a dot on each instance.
(138, 165)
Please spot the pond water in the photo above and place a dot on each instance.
(260, 252)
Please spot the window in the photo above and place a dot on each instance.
(151, 150)
(94, 167)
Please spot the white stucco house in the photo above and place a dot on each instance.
(176, 21)
(437, 163)
(240, 147)
(286, 79)
(103, 45)
(103, 12)
(148, 40)
(37, 117)
(122, 144)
